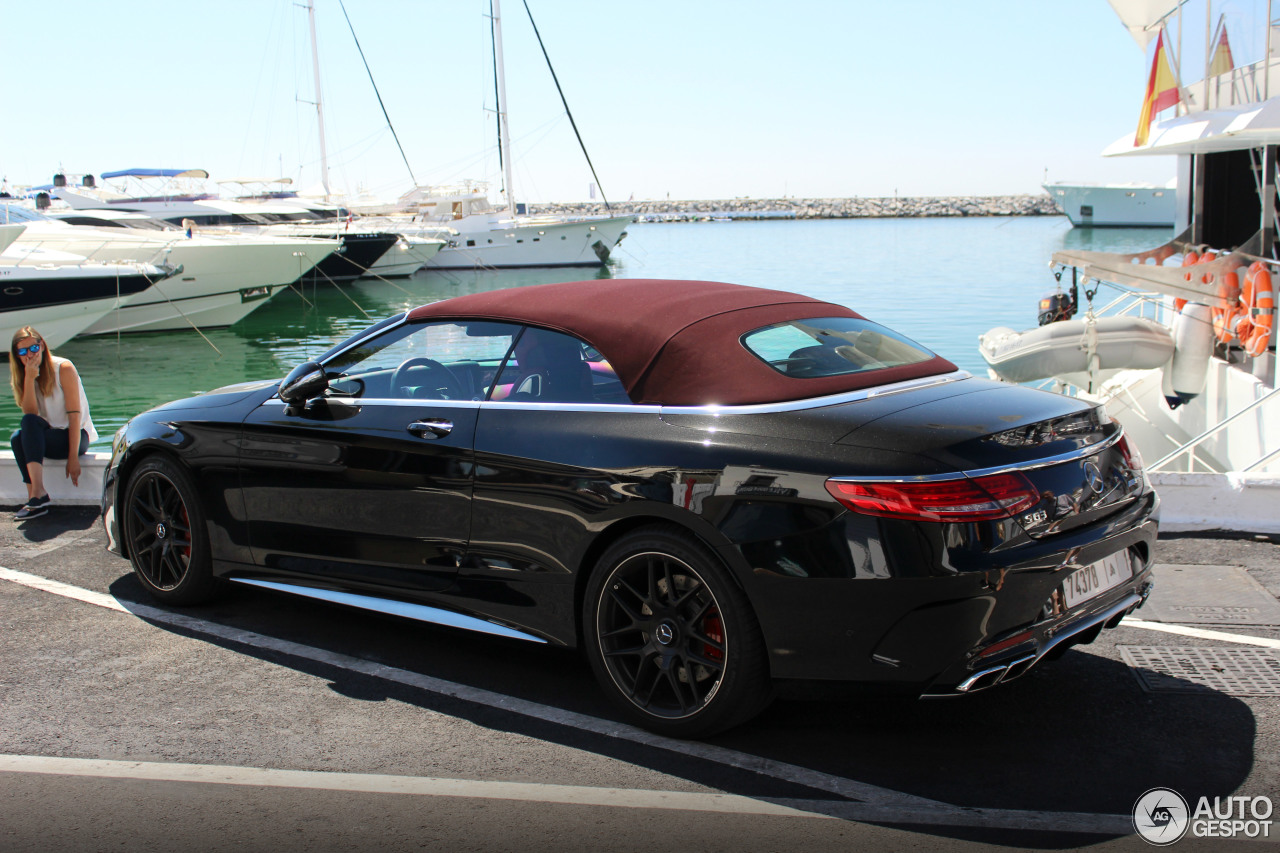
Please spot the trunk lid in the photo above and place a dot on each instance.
(1070, 452)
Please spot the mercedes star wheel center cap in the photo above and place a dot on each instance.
(160, 530)
(665, 633)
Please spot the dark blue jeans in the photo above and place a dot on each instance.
(35, 440)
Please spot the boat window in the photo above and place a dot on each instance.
(831, 346)
(18, 213)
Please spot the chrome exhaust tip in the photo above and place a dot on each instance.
(982, 680)
(1019, 668)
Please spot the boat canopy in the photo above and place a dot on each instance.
(256, 181)
(1142, 17)
(157, 173)
(1227, 129)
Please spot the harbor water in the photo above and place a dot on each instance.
(940, 281)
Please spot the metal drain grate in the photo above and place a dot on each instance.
(1178, 669)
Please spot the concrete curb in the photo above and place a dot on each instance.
(1233, 501)
(89, 493)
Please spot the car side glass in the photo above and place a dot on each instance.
(551, 367)
(444, 360)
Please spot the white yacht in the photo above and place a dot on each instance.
(494, 238)
(176, 197)
(223, 278)
(1115, 205)
(62, 294)
(1207, 421)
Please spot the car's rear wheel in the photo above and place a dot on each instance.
(164, 527)
(671, 637)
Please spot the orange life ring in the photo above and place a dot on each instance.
(1258, 311)
(1224, 319)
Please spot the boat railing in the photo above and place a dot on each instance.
(1135, 303)
(28, 250)
(1271, 396)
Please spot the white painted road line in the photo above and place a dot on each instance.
(870, 803)
(1202, 633)
(419, 786)
(727, 757)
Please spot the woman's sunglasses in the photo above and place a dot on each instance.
(33, 349)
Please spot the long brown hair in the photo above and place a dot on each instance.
(18, 369)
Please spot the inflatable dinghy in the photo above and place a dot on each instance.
(1069, 347)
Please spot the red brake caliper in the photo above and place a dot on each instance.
(713, 628)
(186, 552)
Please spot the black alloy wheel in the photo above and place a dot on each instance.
(165, 533)
(672, 638)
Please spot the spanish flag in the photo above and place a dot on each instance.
(1162, 92)
(1222, 61)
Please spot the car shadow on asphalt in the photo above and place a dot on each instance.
(57, 521)
(1074, 735)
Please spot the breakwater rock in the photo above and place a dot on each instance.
(815, 208)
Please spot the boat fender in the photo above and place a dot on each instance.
(1171, 398)
(1224, 318)
(1258, 311)
(1193, 339)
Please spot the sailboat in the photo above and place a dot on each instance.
(503, 237)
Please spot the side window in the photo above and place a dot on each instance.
(424, 361)
(550, 367)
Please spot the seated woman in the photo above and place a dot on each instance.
(55, 416)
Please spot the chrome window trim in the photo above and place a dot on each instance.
(821, 402)
(518, 405)
(1078, 453)
(403, 402)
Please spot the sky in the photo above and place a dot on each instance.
(679, 99)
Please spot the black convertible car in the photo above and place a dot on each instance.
(713, 490)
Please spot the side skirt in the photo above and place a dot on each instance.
(420, 612)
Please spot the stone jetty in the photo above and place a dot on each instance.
(815, 208)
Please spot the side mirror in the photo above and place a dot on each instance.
(304, 382)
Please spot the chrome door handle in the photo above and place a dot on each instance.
(431, 428)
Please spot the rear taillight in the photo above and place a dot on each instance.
(1132, 457)
(965, 499)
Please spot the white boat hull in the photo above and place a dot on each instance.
(1116, 205)
(496, 243)
(57, 323)
(220, 283)
(405, 258)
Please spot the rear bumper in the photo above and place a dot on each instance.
(1047, 640)
(928, 632)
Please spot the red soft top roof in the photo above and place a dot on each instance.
(676, 343)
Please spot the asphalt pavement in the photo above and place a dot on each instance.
(267, 722)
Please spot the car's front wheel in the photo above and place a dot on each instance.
(164, 528)
(671, 637)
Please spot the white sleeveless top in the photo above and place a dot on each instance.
(54, 407)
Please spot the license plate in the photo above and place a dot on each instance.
(1096, 579)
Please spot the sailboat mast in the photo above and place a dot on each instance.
(315, 67)
(504, 131)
